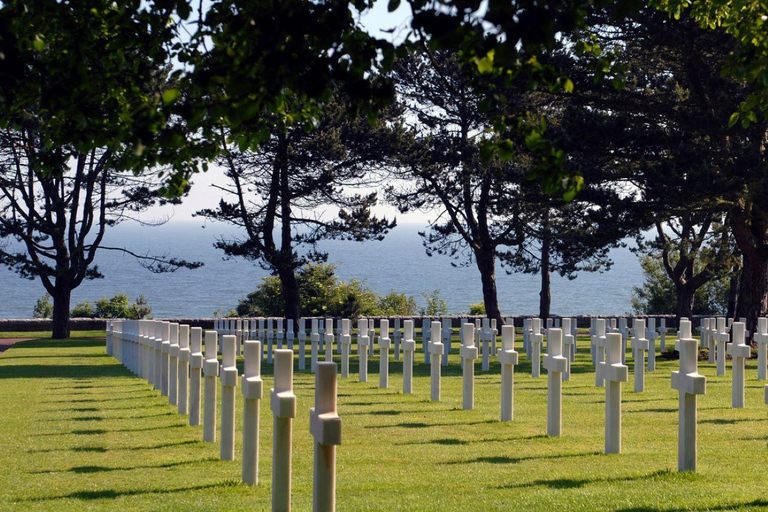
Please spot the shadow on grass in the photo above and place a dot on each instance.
(108, 469)
(109, 494)
(517, 460)
(53, 371)
(103, 449)
(578, 483)
(749, 505)
(429, 425)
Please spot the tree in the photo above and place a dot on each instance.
(670, 132)
(282, 194)
(489, 211)
(83, 116)
(43, 307)
(694, 251)
(658, 295)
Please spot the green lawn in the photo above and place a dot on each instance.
(79, 432)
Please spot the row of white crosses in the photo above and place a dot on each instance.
(151, 349)
(167, 355)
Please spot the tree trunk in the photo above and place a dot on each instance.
(733, 293)
(545, 295)
(291, 298)
(685, 298)
(753, 291)
(486, 264)
(61, 300)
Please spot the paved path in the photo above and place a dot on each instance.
(6, 343)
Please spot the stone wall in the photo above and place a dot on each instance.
(94, 324)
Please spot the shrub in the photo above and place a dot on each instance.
(83, 310)
(43, 307)
(436, 305)
(322, 293)
(477, 309)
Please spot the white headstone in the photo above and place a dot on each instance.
(384, 344)
(283, 405)
(195, 375)
(183, 373)
(722, 338)
(468, 356)
(325, 427)
(688, 383)
(639, 347)
(447, 330)
(600, 342)
(485, 336)
(345, 341)
(569, 340)
(252, 393)
(211, 371)
(555, 364)
(436, 352)
(651, 334)
(329, 339)
(739, 352)
(508, 358)
(761, 337)
(363, 340)
(409, 347)
(536, 339)
(302, 344)
(613, 372)
(228, 377)
(314, 338)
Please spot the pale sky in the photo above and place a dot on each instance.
(204, 195)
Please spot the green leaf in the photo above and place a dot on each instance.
(171, 95)
(568, 85)
(38, 44)
(733, 119)
(393, 5)
(485, 65)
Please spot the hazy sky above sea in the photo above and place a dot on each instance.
(204, 194)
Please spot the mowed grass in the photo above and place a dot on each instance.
(80, 432)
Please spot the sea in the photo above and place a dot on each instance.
(397, 263)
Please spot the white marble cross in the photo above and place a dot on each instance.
(252, 389)
(624, 330)
(329, 339)
(325, 427)
(739, 352)
(195, 375)
(613, 372)
(302, 335)
(397, 335)
(662, 334)
(345, 341)
(722, 337)
(166, 364)
(289, 336)
(211, 371)
(183, 372)
(363, 340)
(228, 377)
(280, 333)
(508, 358)
(639, 347)
(712, 340)
(426, 338)
(761, 338)
(384, 344)
(283, 405)
(314, 338)
(468, 356)
(600, 343)
(270, 339)
(436, 351)
(555, 364)
(486, 335)
(447, 330)
(173, 365)
(536, 339)
(568, 342)
(688, 383)
(651, 334)
(527, 326)
(409, 348)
